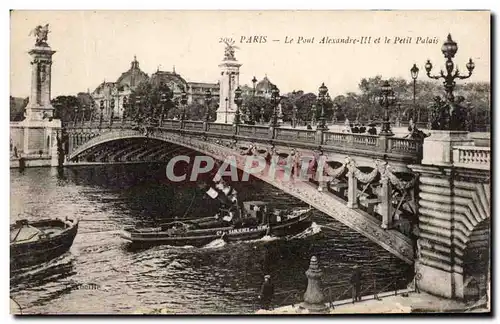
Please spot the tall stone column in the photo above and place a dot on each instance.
(40, 128)
(229, 81)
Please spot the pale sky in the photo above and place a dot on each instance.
(96, 45)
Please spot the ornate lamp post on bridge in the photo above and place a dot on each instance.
(444, 120)
(313, 115)
(414, 75)
(137, 108)
(92, 108)
(275, 100)
(238, 100)
(252, 117)
(165, 96)
(76, 116)
(101, 116)
(112, 114)
(184, 101)
(386, 99)
(125, 106)
(322, 100)
(208, 102)
(294, 116)
(84, 110)
(227, 102)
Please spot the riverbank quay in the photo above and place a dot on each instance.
(405, 302)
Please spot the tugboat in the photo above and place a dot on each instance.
(35, 242)
(256, 221)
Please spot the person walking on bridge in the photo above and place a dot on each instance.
(356, 284)
(266, 293)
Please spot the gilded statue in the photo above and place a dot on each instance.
(229, 51)
(41, 33)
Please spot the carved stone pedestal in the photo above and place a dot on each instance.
(438, 148)
(314, 300)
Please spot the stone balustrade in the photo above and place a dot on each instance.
(405, 148)
(472, 157)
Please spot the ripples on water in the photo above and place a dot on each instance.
(218, 278)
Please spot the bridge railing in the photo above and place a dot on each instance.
(255, 131)
(472, 157)
(172, 124)
(297, 135)
(220, 128)
(399, 146)
(193, 125)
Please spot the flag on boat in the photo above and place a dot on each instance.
(212, 193)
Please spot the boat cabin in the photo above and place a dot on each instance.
(256, 209)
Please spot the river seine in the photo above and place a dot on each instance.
(100, 274)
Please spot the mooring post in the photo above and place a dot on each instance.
(314, 300)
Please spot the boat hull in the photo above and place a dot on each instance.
(230, 234)
(43, 250)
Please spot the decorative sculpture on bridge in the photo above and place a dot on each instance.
(229, 51)
(449, 115)
(41, 33)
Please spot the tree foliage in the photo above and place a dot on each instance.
(145, 102)
(17, 108)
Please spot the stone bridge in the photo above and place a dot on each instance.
(371, 189)
(382, 187)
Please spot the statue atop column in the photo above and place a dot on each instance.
(41, 33)
(229, 51)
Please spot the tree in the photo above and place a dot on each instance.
(146, 102)
(255, 105)
(64, 108)
(17, 108)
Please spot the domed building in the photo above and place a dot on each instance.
(129, 80)
(195, 90)
(263, 88)
(117, 91)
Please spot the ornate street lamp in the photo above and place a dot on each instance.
(457, 121)
(322, 100)
(313, 115)
(386, 99)
(124, 110)
(84, 110)
(92, 107)
(294, 115)
(449, 50)
(414, 75)
(252, 117)
(238, 100)
(227, 103)
(275, 100)
(184, 101)
(76, 115)
(398, 116)
(101, 103)
(137, 108)
(112, 106)
(163, 103)
(208, 102)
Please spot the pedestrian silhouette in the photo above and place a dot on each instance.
(356, 284)
(266, 293)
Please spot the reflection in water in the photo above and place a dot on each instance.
(216, 278)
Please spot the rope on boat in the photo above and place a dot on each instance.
(192, 200)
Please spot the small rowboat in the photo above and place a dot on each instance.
(35, 242)
(256, 224)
